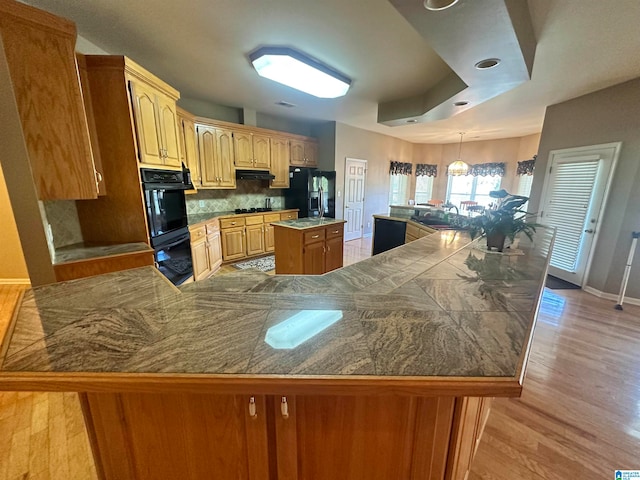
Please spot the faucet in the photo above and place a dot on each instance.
(449, 206)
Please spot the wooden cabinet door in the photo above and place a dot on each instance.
(311, 154)
(169, 130)
(269, 239)
(207, 147)
(297, 152)
(233, 243)
(190, 154)
(39, 50)
(377, 438)
(255, 239)
(145, 115)
(313, 258)
(243, 149)
(178, 436)
(280, 162)
(334, 253)
(200, 260)
(214, 251)
(261, 151)
(225, 149)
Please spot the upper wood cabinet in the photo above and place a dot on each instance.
(156, 122)
(91, 122)
(304, 153)
(251, 150)
(39, 48)
(280, 158)
(188, 148)
(215, 153)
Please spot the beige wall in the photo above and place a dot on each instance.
(378, 150)
(605, 116)
(12, 265)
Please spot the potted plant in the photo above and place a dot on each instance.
(505, 220)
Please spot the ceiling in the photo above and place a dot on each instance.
(200, 47)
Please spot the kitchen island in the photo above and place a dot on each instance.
(308, 246)
(378, 370)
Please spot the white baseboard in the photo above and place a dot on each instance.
(611, 296)
(15, 281)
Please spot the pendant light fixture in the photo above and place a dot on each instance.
(458, 167)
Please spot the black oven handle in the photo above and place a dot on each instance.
(166, 186)
(180, 239)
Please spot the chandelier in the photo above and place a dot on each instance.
(458, 167)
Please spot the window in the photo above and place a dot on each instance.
(524, 188)
(399, 189)
(424, 189)
(468, 187)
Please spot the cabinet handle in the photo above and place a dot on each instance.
(335, 231)
(233, 223)
(315, 236)
(252, 407)
(324, 250)
(284, 407)
(99, 177)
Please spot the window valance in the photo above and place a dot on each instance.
(400, 168)
(527, 167)
(423, 169)
(487, 169)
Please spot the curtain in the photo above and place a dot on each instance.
(426, 169)
(487, 169)
(527, 167)
(400, 168)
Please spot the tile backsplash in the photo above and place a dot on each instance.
(248, 194)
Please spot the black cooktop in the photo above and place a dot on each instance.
(252, 210)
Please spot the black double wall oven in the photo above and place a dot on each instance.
(167, 218)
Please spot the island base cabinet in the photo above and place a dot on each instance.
(320, 437)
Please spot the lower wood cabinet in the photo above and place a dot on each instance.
(98, 266)
(233, 243)
(319, 437)
(312, 251)
(206, 251)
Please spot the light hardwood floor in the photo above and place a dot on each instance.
(578, 417)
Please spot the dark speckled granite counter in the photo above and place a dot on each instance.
(81, 251)
(434, 309)
(193, 219)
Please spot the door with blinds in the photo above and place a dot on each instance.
(573, 197)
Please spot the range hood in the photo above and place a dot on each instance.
(254, 175)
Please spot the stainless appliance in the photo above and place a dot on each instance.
(312, 192)
(167, 218)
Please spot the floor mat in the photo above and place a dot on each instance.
(555, 283)
(263, 264)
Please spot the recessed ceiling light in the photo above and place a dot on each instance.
(282, 103)
(487, 63)
(436, 5)
(412, 120)
(461, 104)
(296, 70)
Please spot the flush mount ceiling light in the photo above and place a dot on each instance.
(296, 70)
(458, 167)
(436, 5)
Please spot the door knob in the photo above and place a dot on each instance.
(346, 206)
(588, 231)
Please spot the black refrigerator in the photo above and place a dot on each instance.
(310, 190)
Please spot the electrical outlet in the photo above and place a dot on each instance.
(201, 203)
(368, 224)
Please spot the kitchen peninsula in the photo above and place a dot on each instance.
(382, 369)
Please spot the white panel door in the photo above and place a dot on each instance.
(573, 197)
(354, 181)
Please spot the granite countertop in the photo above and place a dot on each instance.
(82, 251)
(204, 217)
(436, 307)
(304, 223)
